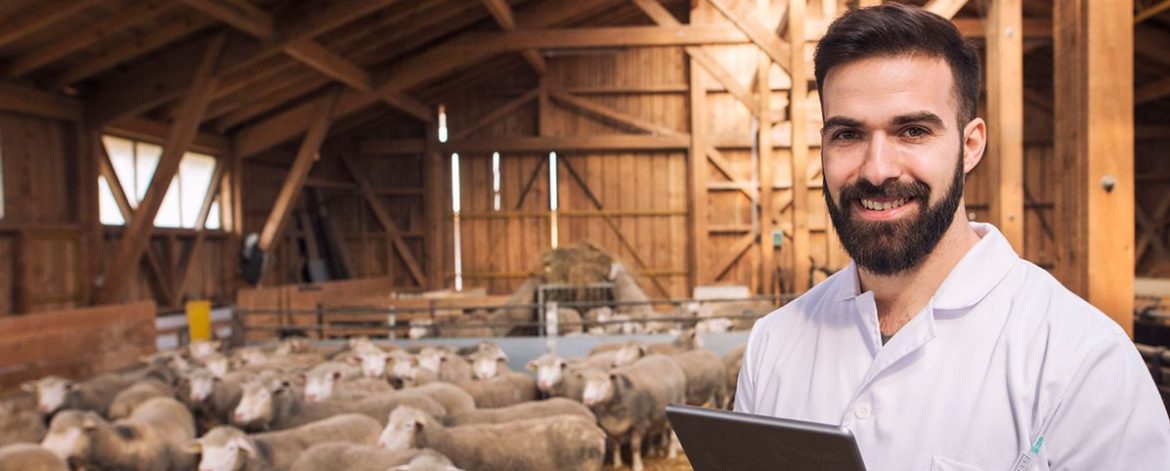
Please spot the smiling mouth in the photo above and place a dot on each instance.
(874, 205)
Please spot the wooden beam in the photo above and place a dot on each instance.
(131, 92)
(182, 134)
(387, 223)
(502, 12)
(761, 35)
(157, 37)
(740, 247)
(697, 222)
(495, 115)
(329, 63)
(612, 115)
(601, 142)
(1033, 28)
(188, 261)
(767, 163)
(432, 63)
(250, 20)
(1152, 132)
(435, 205)
(416, 109)
(1149, 42)
(86, 36)
(575, 38)
(724, 166)
(797, 112)
(38, 17)
(1152, 91)
(154, 131)
(273, 230)
(1005, 119)
(1149, 226)
(27, 100)
(1093, 75)
(945, 8)
(662, 17)
(1151, 11)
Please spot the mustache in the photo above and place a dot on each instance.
(888, 189)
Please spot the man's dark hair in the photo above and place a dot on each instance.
(893, 29)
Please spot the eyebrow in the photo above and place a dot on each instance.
(922, 117)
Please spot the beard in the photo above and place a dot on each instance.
(891, 247)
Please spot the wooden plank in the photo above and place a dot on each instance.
(40, 16)
(801, 241)
(697, 240)
(601, 142)
(1005, 119)
(612, 114)
(495, 115)
(1094, 140)
(327, 62)
(130, 93)
(411, 106)
(945, 8)
(662, 17)
(761, 35)
(1149, 225)
(154, 39)
(1149, 43)
(767, 162)
(27, 100)
(273, 230)
(388, 225)
(1152, 91)
(1033, 28)
(434, 201)
(148, 130)
(183, 132)
(253, 21)
(1151, 11)
(592, 37)
(502, 12)
(84, 37)
(379, 146)
(741, 246)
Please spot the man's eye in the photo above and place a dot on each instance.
(915, 132)
(846, 134)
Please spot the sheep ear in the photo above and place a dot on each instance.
(88, 423)
(193, 446)
(28, 387)
(564, 364)
(531, 365)
(246, 445)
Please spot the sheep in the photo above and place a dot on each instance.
(55, 393)
(630, 401)
(294, 345)
(200, 349)
(399, 366)
(487, 364)
(272, 405)
(562, 443)
(20, 422)
(732, 362)
(138, 393)
(555, 378)
(30, 457)
(373, 363)
(212, 399)
(353, 457)
(227, 448)
(503, 390)
(706, 377)
(149, 440)
(448, 366)
(454, 399)
(524, 410)
(320, 380)
(425, 462)
(217, 364)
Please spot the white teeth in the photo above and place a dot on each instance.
(876, 206)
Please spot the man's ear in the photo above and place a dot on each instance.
(974, 143)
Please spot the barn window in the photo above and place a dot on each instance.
(456, 196)
(496, 181)
(553, 188)
(134, 163)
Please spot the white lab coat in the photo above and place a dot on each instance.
(1001, 355)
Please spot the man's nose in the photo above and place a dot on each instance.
(881, 161)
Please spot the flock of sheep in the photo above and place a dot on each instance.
(365, 406)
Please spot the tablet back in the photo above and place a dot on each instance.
(716, 440)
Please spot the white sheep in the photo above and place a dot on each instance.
(565, 443)
(227, 448)
(354, 457)
(30, 457)
(149, 440)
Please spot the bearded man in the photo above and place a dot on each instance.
(938, 347)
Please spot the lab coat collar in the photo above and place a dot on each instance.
(980, 270)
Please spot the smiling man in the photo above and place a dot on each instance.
(938, 346)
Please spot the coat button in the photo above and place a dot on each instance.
(862, 411)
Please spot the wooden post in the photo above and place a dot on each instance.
(1005, 118)
(182, 134)
(1094, 148)
(764, 144)
(88, 212)
(796, 114)
(697, 174)
(434, 201)
(306, 155)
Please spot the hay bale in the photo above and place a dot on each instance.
(578, 264)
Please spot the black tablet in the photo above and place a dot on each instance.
(717, 440)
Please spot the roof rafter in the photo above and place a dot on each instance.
(502, 12)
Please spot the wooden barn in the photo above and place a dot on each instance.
(547, 176)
